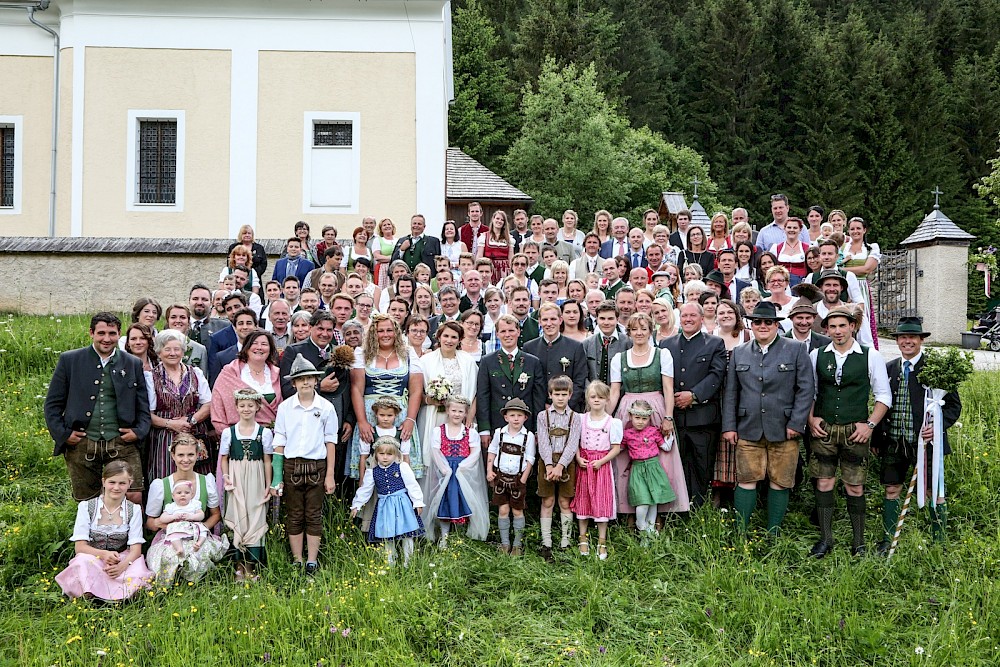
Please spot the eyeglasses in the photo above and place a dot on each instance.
(520, 263)
(765, 323)
(365, 305)
(777, 281)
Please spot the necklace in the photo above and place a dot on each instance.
(386, 357)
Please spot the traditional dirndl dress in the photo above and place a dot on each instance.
(647, 482)
(177, 402)
(454, 507)
(386, 382)
(246, 504)
(595, 490)
(497, 252)
(646, 383)
(394, 515)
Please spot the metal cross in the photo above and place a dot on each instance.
(937, 193)
(696, 183)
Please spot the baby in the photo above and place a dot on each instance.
(185, 519)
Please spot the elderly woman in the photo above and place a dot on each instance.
(179, 402)
(256, 366)
(192, 561)
(245, 238)
(385, 366)
(354, 333)
(107, 538)
(329, 234)
(300, 325)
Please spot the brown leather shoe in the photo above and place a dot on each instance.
(505, 549)
(516, 551)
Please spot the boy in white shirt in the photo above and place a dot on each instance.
(508, 466)
(305, 431)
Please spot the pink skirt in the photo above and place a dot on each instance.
(669, 461)
(595, 490)
(85, 575)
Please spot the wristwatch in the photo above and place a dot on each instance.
(669, 418)
(871, 424)
(694, 397)
(190, 420)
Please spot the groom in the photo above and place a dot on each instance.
(505, 374)
(417, 248)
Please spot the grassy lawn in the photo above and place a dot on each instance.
(699, 595)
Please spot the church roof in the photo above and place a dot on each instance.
(936, 226)
(673, 202)
(699, 216)
(467, 180)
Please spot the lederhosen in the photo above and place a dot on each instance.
(566, 483)
(508, 489)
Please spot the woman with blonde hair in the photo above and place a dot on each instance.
(718, 234)
(602, 225)
(663, 316)
(560, 274)
(496, 245)
(382, 246)
(570, 233)
(240, 256)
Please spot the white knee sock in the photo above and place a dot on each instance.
(546, 522)
(390, 551)
(566, 521)
(640, 516)
(651, 517)
(407, 550)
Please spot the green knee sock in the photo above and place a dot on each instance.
(777, 505)
(939, 521)
(745, 500)
(890, 516)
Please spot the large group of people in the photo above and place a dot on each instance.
(628, 373)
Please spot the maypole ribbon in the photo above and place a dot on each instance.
(933, 403)
(902, 516)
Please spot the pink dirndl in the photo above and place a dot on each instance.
(85, 575)
(595, 490)
(669, 461)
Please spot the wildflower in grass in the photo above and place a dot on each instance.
(602, 650)
(345, 632)
(919, 650)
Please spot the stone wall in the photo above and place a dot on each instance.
(42, 276)
(943, 290)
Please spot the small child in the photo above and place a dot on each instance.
(386, 410)
(185, 519)
(305, 430)
(749, 298)
(593, 281)
(648, 485)
(508, 466)
(558, 440)
(400, 500)
(245, 458)
(422, 274)
(600, 443)
(457, 486)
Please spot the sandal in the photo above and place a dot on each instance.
(602, 551)
(584, 544)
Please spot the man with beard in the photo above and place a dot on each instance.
(202, 323)
(560, 355)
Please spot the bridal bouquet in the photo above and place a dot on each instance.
(439, 389)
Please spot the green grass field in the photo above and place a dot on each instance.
(700, 595)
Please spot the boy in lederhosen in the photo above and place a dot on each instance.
(558, 439)
(508, 466)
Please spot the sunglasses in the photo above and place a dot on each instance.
(765, 323)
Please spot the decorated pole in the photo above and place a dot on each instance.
(902, 514)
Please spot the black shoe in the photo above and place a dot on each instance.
(821, 549)
(546, 554)
(311, 569)
(297, 566)
(882, 549)
(860, 550)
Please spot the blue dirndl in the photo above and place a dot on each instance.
(394, 515)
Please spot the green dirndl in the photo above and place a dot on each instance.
(648, 484)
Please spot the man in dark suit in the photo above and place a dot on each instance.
(803, 316)
(520, 308)
(416, 247)
(560, 355)
(636, 253)
(226, 337)
(450, 310)
(335, 384)
(769, 391)
(97, 409)
(699, 368)
(293, 263)
(729, 286)
(505, 374)
(606, 342)
(618, 243)
(678, 239)
(895, 439)
(202, 324)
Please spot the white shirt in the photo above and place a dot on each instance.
(365, 448)
(266, 438)
(204, 391)
(83, 523)
(508, 463)
(666, 363)
(878, 377)
(367, 487)
(304, 432)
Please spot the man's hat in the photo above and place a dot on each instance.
(516, 404)
(765, 310)
(913, 326)
(715, 276)
(302, 367)
(808, 291)
(803, 306)
(832, 273)
(843, 311)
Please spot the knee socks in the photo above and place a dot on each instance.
(856, 512)
(390, 551)
(824, 512)
(890, 517)
(640, 517)
(407, 550)
(566, 523)
(546, 523)
(518, 530)
(504, 524)
(939, 521)
(744, 500)
(777, 505)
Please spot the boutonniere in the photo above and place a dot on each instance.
(122, 372)
(829, 367)
(317, 414)
(523, 379)
(565, 363)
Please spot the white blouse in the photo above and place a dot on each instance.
(266, 438)
(154, 503)
(666, 364)
(204, 391)
(83, 524)
(414, 360)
